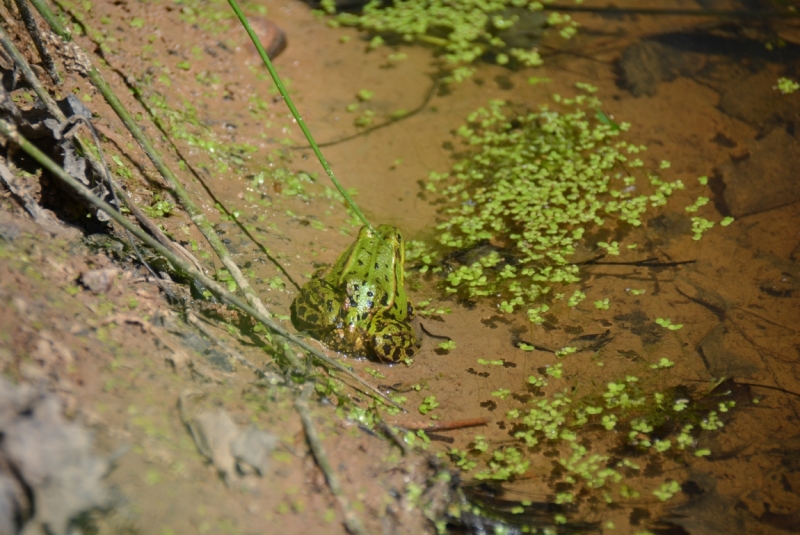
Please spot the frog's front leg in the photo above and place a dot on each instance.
(394, 340)
(316, 308)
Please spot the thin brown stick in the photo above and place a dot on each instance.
(191, 318)
(197, 216)
(84, 193)
(441, 426)
(351, 521)
(33, 29)
(55, 111)
(388, 431)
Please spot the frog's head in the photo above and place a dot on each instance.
(389, 233)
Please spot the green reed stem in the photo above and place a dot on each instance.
(9, 131)
(51, 19)
(295, 113)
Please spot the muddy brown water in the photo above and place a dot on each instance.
(704, 100)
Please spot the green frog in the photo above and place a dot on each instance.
(359, 306)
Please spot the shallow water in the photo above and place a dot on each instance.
(704, 101)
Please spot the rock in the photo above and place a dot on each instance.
(272, 38)
(766, 179)
(48, 473)
(99, 281)
(231, 450)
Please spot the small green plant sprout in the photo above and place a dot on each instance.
(667, 490)
(277, 283)
(447, 345)
(700, 226)
(539, 382)
(427, 405)
(375, 373)
(564, 351)
(609, 421)
(787, 86)
(704, 452)
(365, 119)
(662, 445)
(680, 404)
(685, 439)
(498, 362)
(611, 248)
(576, 298)
(662, 364)
(712, 422)
(480, 444)
(602, 305)
(160, 207)
(703, 180)
(459, 458)
(526, 347)
(726, 221)
(505, 463)
(634, 291)
(397, 57)
(536, 80)
(502, 393)
(555, 370)
(376, 42)
(701, 201)
(667, 324)
(225, 277)
(365, 95)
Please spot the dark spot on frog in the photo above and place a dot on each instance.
(370, 305)
(361, 263)
(386, 278)
(377, 266)
(387, 349)
(370, 294)
(364, 316)
(312, 318)
(330, 305)
(385, 300)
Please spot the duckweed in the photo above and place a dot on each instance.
(787, 86)
(533, 186)
(465, 31)
(662, 424)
